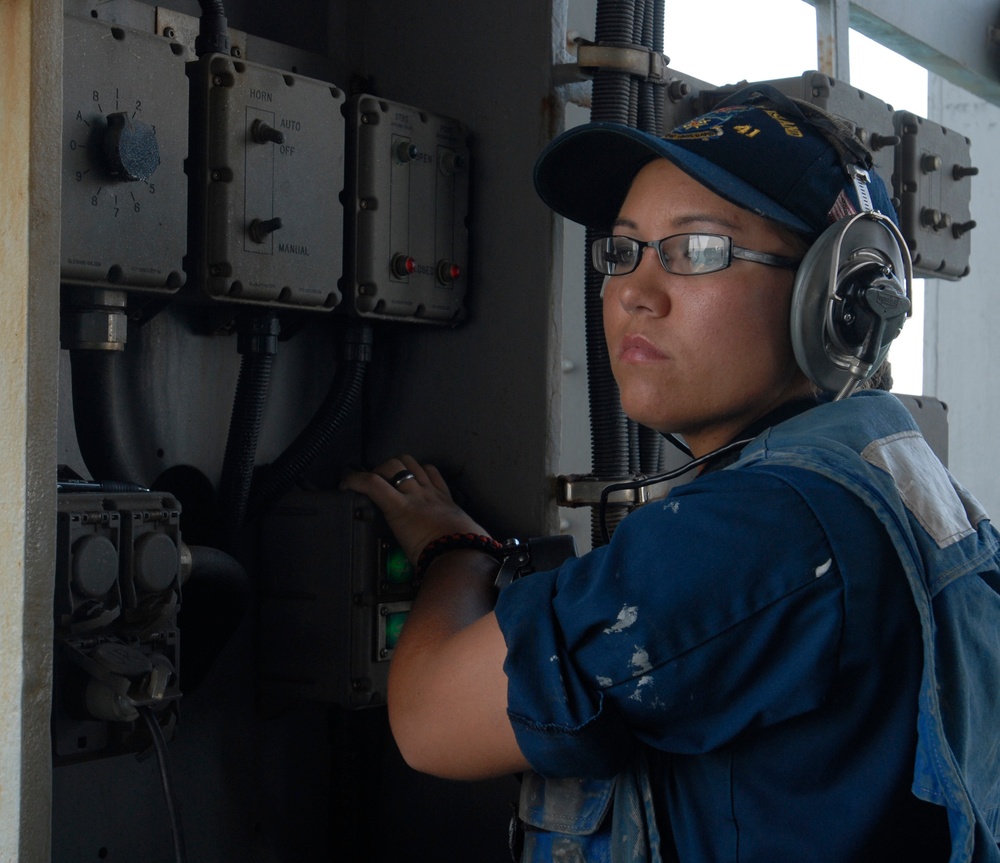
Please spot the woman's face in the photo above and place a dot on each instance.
(701, 356)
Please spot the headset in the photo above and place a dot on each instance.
(853, 290)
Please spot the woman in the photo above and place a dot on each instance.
(776, 657)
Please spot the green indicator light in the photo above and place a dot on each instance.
(397, 568)
(393, 626)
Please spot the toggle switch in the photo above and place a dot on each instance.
(263, 133)
(961, 228)
(261, 229)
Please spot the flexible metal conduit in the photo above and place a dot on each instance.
(273, 480)
(258, 341)
(213, 30)
(618, 446)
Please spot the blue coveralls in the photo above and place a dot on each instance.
(793, 645)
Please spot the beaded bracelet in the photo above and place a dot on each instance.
(454, 542)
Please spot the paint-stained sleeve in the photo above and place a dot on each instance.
(714, 611)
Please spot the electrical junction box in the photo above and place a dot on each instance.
(407, 202)
(267, 172)
(117, 594)
(934, 169)
(931, 415)
(124, 141)
(335, 592)
(117, 562)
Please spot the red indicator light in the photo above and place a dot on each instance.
(447, 272)
(403, 265)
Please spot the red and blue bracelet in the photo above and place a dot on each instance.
(455, 542)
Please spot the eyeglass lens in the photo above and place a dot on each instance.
(682, 254)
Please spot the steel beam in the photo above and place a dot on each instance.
(832, 38)
(956, 40)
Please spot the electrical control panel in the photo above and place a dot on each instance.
(117, 594)
(407, 246)
(933, 172)
(335, 592)
(267, 174)
(291, 179)
(124, 141)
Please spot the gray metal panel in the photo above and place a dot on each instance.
(137, 79)
(481, 400)
(931, 415)
(961, 349)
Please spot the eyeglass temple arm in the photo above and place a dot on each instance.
(764, 258)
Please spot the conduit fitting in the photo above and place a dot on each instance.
(258, 334)
(93, 319)
(635, 60)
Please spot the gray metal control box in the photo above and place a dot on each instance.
(407, 247)
(335, 592)
(124, 141)
(268, 170)
(934, 169)
(117, 595)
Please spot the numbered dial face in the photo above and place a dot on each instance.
(124, 143)
(116, 154)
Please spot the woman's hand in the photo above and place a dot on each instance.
(447, 690)
(415, 501)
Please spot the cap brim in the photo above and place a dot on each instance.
(586, 172)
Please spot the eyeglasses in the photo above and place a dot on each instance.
(681, 254)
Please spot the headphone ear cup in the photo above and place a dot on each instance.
(830, 318)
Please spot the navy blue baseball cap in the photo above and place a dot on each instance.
(756, 148)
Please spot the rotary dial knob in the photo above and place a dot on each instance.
(130, 148)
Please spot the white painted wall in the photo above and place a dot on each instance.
(29, 284)
(961, 343)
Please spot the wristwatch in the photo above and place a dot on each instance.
(519, 558)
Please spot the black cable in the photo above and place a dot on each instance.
(101, 413)
(216, 596)
(628, 485)
(160, 745)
